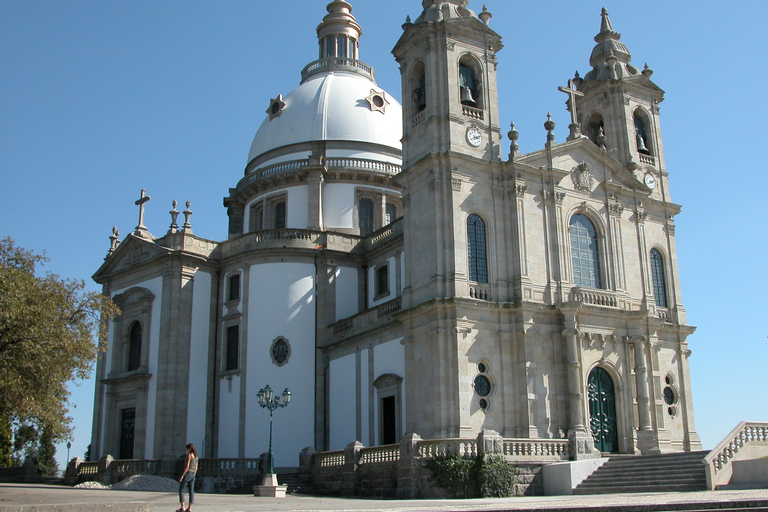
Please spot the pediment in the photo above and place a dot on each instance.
(133, 251)
(584, 167)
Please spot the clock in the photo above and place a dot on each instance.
(650, 181)
(474, 137)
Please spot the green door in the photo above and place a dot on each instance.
(602, 411)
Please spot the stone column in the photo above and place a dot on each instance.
(350, 486)
(581, 445)
(646, 441)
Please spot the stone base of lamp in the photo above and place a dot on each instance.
(269, 487)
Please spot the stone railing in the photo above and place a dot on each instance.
(370, 319)
(399, 470)
(364, 164)
(479, 291)
(474, 113)
(647, 159)
(388, 232)
(594, 297)
(344, 63)
(418, 118)
(380, 454)
(748, 440)
(216, 467)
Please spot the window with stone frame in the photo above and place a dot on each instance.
(232, 353)
(279, 215)
(233, 287)
(418, 89)
(268, 213)
(476, 249)
(375, 209)
(134, 346)
(642, 132)
(658, 279)
(585, 256)
(382, 281)
(256, 219)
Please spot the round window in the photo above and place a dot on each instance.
(482, 385)
(483, 403)
(378, 101)
(669, 395)
(481, 367)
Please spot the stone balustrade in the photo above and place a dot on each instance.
(385, 234)
(748, 440)
(593, 297)
(362, 322)
(647, 159)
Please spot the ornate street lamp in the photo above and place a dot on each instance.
(270, 401)
(69, 445)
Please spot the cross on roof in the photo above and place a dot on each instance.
(140, 203)
(572, 93)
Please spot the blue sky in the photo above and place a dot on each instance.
(99, 99)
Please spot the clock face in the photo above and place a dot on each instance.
(650, 181)
(474, 137)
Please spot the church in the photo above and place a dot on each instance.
(403, 268)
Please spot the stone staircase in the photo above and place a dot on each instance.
(669, 472)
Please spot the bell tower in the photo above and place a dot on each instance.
(451, 134)
(620, 104)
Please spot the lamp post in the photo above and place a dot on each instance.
(270, 401)
(69, 445)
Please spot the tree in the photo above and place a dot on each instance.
(47, 329)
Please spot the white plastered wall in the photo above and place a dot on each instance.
(229, 416)
(346, 292)
(281, 303)
(198, 361)
(343, 387)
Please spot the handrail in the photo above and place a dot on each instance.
(718, 461)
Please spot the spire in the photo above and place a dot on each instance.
(608, 42)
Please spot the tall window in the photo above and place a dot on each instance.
(391, 213)
(382, 280)
(365, 214)
(257, 217)
(280, 215)
(234, 287)
(134, 347)
(657, 277)
(478, 265)
(233, 347)
(584, 253)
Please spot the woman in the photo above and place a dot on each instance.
(188, 478)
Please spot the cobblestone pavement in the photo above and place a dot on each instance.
(41, 498)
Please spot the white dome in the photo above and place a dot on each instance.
(331, 106)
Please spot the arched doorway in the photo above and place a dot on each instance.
(602, 410)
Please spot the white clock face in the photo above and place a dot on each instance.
(474, 137)
(650, 181)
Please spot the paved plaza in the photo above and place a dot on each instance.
(41, 498)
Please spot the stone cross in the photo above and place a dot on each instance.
(140, 203)
(572, 93)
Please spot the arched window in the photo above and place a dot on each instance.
(593, 127)
(419, 88)
(478, 266)
(641, 134)
(469, 90)
(657, 277)
(134, 347)
(584, 254)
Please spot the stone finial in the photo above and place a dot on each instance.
(187, 214)
(174, 214)
(114, 240)
(577, 80)
(647, 72)
(514, 149)
(600, 139)
(485, 15)
(549, 125)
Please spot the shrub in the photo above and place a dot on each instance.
(464, 477)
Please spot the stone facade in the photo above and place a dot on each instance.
(436, 288)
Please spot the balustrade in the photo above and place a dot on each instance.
(379, 454)
(419, 118)
(718, 461)
(595, 297)
(329, 459)
(647, 159)
(474, 113)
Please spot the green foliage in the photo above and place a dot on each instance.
(475, 477)
(47, 327)
(496, 478)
